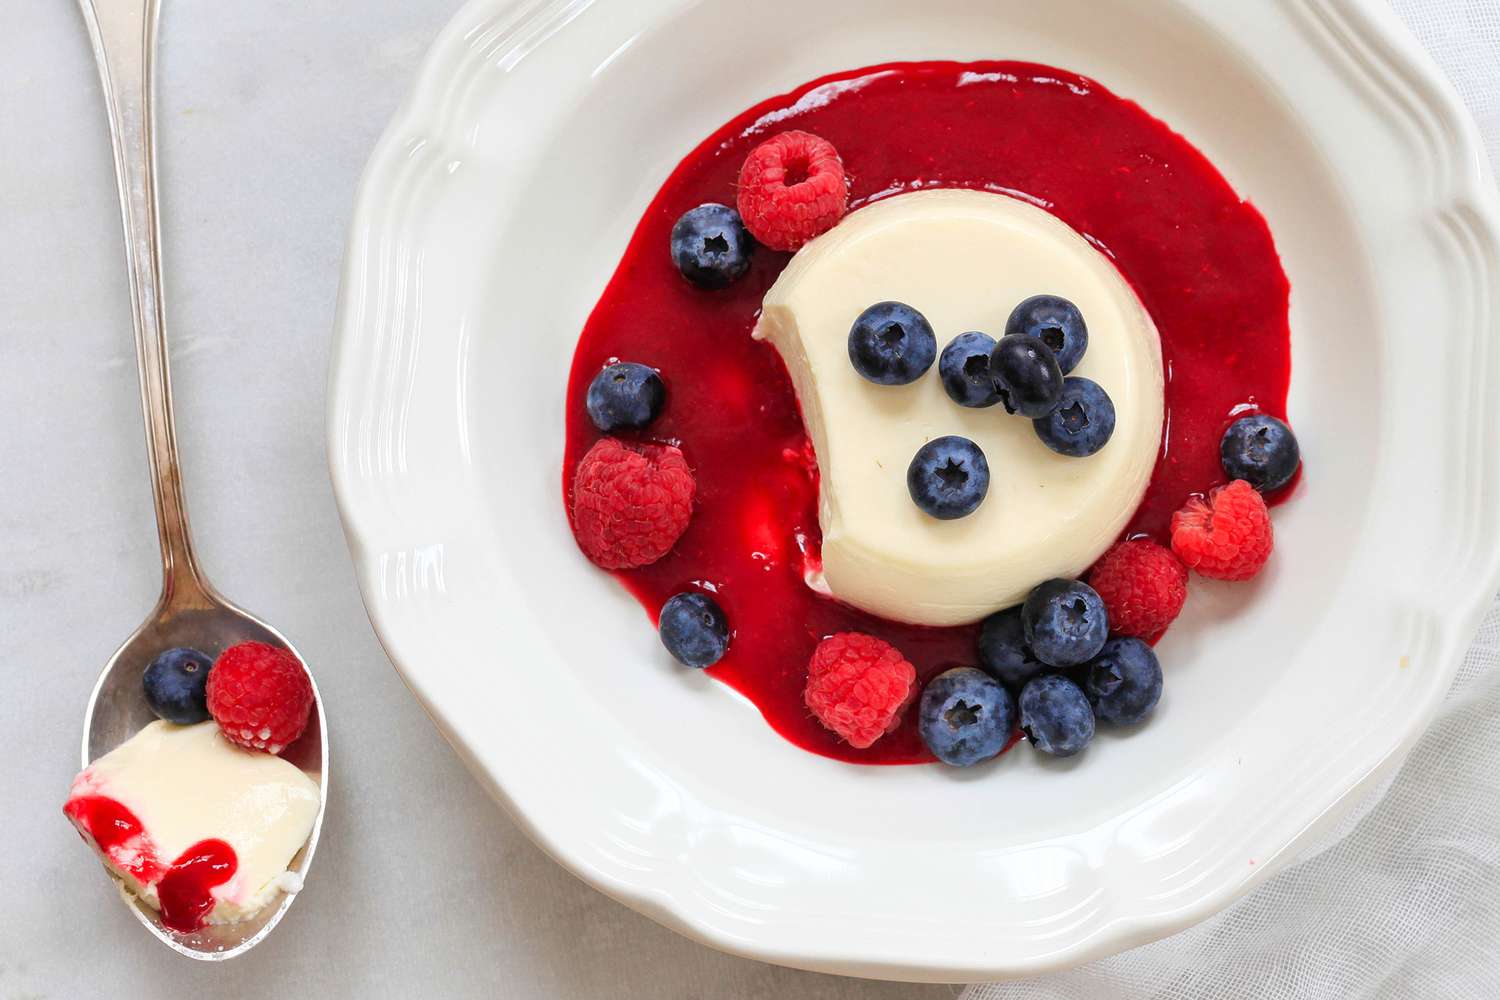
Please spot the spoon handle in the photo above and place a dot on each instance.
(123, 33)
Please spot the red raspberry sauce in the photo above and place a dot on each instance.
(184, 891)
(1201, 260)
(118, 833)
(183, 888)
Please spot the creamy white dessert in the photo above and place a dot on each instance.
(964, 259)
(152, 801)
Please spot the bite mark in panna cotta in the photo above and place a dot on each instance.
(964, 259)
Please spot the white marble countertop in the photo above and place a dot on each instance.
(421, 887)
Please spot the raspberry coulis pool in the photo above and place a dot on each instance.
(1201, 260)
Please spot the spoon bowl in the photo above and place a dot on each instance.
(190, 612)
(117, 710)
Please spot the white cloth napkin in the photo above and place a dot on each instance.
(1402, 902)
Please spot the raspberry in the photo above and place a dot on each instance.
(1227, 537)
(631, 504)
(858, 685)
(791, 189)
(260, 696)
(1143, 586)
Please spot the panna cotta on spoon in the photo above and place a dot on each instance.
(964, 259)
(194, 826)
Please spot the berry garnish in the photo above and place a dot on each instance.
(1123, 682)
(891, 343)
(1065, 622)
(1261, 450)
(857, 686)
(711, 246)
(631, 503)
(965, 716)
(625, 396)
(1225, 537)
(1143, 586)
(1055, 715)
(260, 696)
(1003, 651)
(949, 477)
(1057, 322)
(174, 684)
(964, 367)
(694, 630)
(791, 189)
(1026, 375)
(1082, 422)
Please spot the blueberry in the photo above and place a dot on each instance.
(1055, 715)
(625, 396)
(965, 716)
(1065, 622)
(1083, 421)
(891, 343)
(1124, 681)
(949, 477)
(694, 629)
(1261, 450)
(1026, 375)
(711, 246)
(964, 368)
(174, 684)
(1057, 322)
(1003, 651)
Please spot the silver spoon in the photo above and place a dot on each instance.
(189, 612)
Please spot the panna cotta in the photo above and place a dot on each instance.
(195, 827)
(964, 259)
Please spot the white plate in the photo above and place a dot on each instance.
(492, 213)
